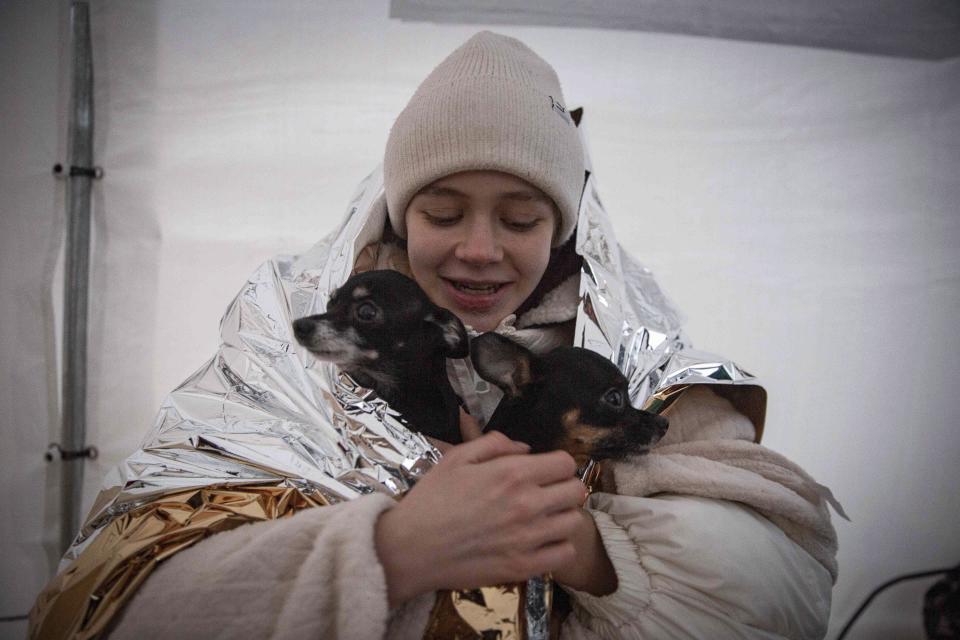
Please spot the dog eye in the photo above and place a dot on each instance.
(367, 312)
(614, 397)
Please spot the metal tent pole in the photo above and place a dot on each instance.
(80, 175)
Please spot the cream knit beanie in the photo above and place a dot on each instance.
(493, 104)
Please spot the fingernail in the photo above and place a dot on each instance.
(522, 444)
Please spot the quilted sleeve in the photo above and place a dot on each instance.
(700, 568)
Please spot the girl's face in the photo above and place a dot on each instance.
(479, 242)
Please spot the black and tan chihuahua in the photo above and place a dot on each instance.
(570, 398)
(382, 330)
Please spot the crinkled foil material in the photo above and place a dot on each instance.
(624, 315)
(263, 429)
(260, 431)
(83, 598)
(480, 613)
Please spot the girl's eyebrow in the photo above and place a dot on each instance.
(441, 191)
(526, 195)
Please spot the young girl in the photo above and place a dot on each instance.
(711, 537)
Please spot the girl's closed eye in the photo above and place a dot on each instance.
(522, 223)
(442, 217)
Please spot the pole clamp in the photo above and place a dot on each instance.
(87, 172)
(56, 451)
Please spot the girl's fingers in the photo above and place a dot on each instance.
(556, 528)
(560, 496)
(486, 447)
(541, 468)
(470, 429)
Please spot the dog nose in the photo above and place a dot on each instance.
(303, 328)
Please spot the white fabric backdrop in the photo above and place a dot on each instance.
(799, 205)
(32, 202)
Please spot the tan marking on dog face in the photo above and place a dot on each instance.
(522, 375)
(579, 438)
(518, 376)
(360, 292)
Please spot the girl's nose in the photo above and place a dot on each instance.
(479, 244)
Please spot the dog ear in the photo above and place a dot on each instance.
(454, 334)
(503, 362)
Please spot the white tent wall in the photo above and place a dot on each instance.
(799, 205)
(33, 73)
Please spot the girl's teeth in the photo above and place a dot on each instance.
(489, 288)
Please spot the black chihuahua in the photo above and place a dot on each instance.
(382, 330)
(571, 399)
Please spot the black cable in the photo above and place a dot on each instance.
(14, 618)
(885, 585)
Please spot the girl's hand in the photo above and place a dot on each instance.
(591, 569)
(470, 429)
(488, 513)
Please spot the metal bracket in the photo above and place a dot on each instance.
(55, 450)
(87, 172)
